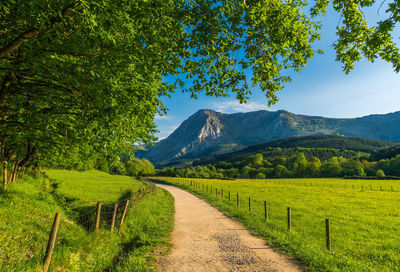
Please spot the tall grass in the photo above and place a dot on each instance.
(365, 224)
(27, 210)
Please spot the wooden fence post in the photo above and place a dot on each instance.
(124, 213)
(98, 212)
(114, 215)
(249, 205)
(328, 234)
(229, 196)
(51, 243)
(289, 218)
(265, 211)
(222, 193)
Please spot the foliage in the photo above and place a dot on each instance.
(380, 173)
(385, 153)
(297, 165)
(134, 167)
(390, 166)
(361, 239)
(85, 77)
(310, 156)
(321, 146)
(28, 207)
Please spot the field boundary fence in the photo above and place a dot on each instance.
(236, 199)
(96, 218)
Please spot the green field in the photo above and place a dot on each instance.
(92, 186)
(28, 209)
(365, 219)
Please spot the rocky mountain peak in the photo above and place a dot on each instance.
(208, 132)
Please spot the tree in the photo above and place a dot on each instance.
(68, 80)
(90, 74)
(380, 173)
(352, 168)
(260, 176)
(331, 168)
(281, 171)
(314, 167)
(300, 165)
(255, 160)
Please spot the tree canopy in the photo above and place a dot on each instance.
(87, 76)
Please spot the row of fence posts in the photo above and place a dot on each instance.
(330, 185)
(56, 224)
(266, 215)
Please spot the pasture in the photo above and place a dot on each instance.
(28, 207)
(92, 185)
(364, 218)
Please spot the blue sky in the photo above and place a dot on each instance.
(321, 89)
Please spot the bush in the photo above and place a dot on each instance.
(260, 176)
(380, 173)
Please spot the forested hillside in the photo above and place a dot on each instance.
(321, 146)
(311, 156)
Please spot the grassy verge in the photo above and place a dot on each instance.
(365, 221)
(27, 210)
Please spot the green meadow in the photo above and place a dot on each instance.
(28, 208)
(92, 186)
(364, 218)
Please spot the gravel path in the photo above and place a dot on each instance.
(204, 239)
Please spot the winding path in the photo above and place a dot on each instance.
(204, 239)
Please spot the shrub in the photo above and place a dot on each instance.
(380, 173)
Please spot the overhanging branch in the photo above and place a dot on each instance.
(35, 32)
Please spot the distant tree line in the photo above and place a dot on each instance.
(295, 166)
(274, 154)
(122, 165)
(321, 146)
(132, 166)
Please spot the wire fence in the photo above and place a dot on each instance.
(100, 216)
(258, 211)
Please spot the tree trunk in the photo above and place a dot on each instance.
(5, 165)
(14, 172)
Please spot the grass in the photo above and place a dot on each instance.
(27, 210)
(365, 223)
(92, 186)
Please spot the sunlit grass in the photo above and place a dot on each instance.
(28, 207)
(365, 223)
(92, 186)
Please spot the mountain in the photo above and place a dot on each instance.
(209, 133)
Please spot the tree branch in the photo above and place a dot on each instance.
(35, 32)
(36, 82)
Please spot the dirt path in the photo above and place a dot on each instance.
(204, 239)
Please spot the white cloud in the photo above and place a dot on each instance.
(235, 106)
(162, 117)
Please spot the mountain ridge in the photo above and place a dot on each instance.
(208, 132)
